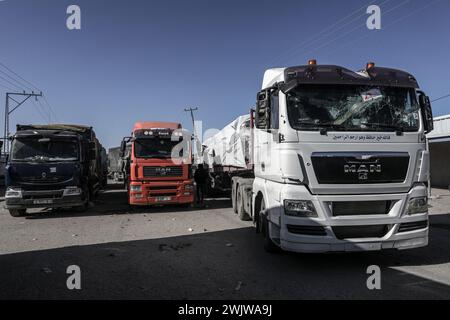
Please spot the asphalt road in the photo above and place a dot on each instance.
(207, 253)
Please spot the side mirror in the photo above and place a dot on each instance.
(427, 112)
(123, 147)
(262, 113)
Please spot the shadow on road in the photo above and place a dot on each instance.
(206, 266)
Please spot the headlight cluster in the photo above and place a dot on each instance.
(418, 205)
(189, 187)
(13, 193)
(300, 208)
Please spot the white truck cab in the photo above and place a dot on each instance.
(340, 160)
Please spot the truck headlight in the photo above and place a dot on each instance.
(13, 193)
(189, 187)
(136, 188)
(300, 208)
(418, 205)
(72, 191)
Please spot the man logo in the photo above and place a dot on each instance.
(44, 175)
(362, 170)
(163, 171)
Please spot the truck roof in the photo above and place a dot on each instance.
(62, 127)
(156, 124)
(57, 130)
(333, 74)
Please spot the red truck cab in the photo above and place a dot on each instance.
(155, 174)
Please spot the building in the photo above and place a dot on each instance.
(439, 144)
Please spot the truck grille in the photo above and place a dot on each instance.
(360, 167)
(356, 208)
(34, 195)
(170, 171)
(358, 232)
(46, 180)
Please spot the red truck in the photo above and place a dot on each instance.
(155, 174)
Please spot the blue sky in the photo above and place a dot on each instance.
(148, 60)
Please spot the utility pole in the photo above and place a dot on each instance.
(14, 96)
(198, 146)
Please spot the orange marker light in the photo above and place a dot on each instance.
(370, 65)
(312, 62)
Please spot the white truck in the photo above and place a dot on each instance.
(330, 160)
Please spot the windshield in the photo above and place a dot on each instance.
(44, 150)
(154, 148)
(353, 108)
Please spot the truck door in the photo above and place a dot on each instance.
(267, 140)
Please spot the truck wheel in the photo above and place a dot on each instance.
(240, 207)
(85, 206)
(17, 212)
(269, 246)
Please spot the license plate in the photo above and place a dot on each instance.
(43, 201)
(161, 199)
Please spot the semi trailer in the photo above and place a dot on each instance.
(115, 170)
(330, 159)
(154, 174)
(52, 166)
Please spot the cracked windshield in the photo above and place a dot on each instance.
(353, 108)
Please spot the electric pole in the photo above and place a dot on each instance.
(198, 146)
(14, 96)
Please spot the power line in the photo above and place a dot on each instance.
(14, 96)
(327, 31)
(353, 29)
(7, 88)
(19, 76)
(39, 110)
(15, 80)
(50, 107)
(441, 98)
(27, 85)
(14, 85)
(358, 40)
(47, 110)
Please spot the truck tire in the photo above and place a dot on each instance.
(17, 212)
(240, 206)
(269, 245)
(85, 206)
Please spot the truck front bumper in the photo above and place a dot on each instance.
(161, 193)
(44, 199)
(330, 232)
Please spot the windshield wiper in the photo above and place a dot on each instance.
(398, 129)
(324, 126)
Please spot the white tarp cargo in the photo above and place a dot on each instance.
(229, 147)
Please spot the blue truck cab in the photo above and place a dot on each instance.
(52, 166)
